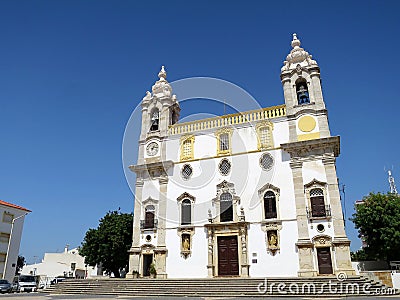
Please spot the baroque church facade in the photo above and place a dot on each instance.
(252, 194)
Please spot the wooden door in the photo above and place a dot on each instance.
(228, 259)
(324, 261)
(147, 260)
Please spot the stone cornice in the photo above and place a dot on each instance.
(164, 165)
(318, 146)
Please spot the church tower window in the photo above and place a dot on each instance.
(303, 96)
(270, 205)
(317, 203)
(226, 207)
(155, 120)
(149, 217)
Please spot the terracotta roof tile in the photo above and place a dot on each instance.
(14, 206)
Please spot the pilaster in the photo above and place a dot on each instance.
(162, 211)
(341, 244)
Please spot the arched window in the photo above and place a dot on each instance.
(270, 205)
(303, 96)
(154, 120)
(186, 212)
(149, 217)
(226, 208)
(317, 203)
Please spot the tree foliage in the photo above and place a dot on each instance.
(20, 264)
(109, 243)
(378, 222)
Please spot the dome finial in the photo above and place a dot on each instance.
(162, 74)
(295, 41)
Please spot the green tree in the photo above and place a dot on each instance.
(378, 222)
(109, 243)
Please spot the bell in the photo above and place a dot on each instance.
(302, 95)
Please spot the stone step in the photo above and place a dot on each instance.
(219, 287)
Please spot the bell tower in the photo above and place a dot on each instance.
(305, 104)
(160, 109)
(312, 150)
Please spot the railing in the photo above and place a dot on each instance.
(317, 214)
(228, 120)
(144, 225)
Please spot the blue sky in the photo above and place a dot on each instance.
(71, 73)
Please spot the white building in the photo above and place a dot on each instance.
(66, 264)
(249, 194)
(11, 224)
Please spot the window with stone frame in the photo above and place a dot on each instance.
(187, 150)
(270, 211)
(224, 143)
(185, 206)
(264, 135)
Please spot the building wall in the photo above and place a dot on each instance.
(5, 227)
(59, 264)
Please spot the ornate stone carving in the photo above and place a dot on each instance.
(311, 149)
(186, 238)
(298, 57)
(272, 239)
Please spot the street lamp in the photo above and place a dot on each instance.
(9, 243)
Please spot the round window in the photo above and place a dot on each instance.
(224, 167)
(148, 238)
(266, 161)
(320, 228)
(186, 172)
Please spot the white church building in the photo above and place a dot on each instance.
(251, 194)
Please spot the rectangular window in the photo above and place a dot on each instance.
(3, 257)
(149, 220)
(7, 217)
(4, 237)
(186, 212)
(187, 149)
(224, 142)
(264, 136)
(318, 206)
(73, 266)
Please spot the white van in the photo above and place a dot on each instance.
(24, 283)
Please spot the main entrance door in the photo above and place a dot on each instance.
(147, 260)
(228, 261)
(324, 261)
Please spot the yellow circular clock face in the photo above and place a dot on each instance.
(307, 123)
